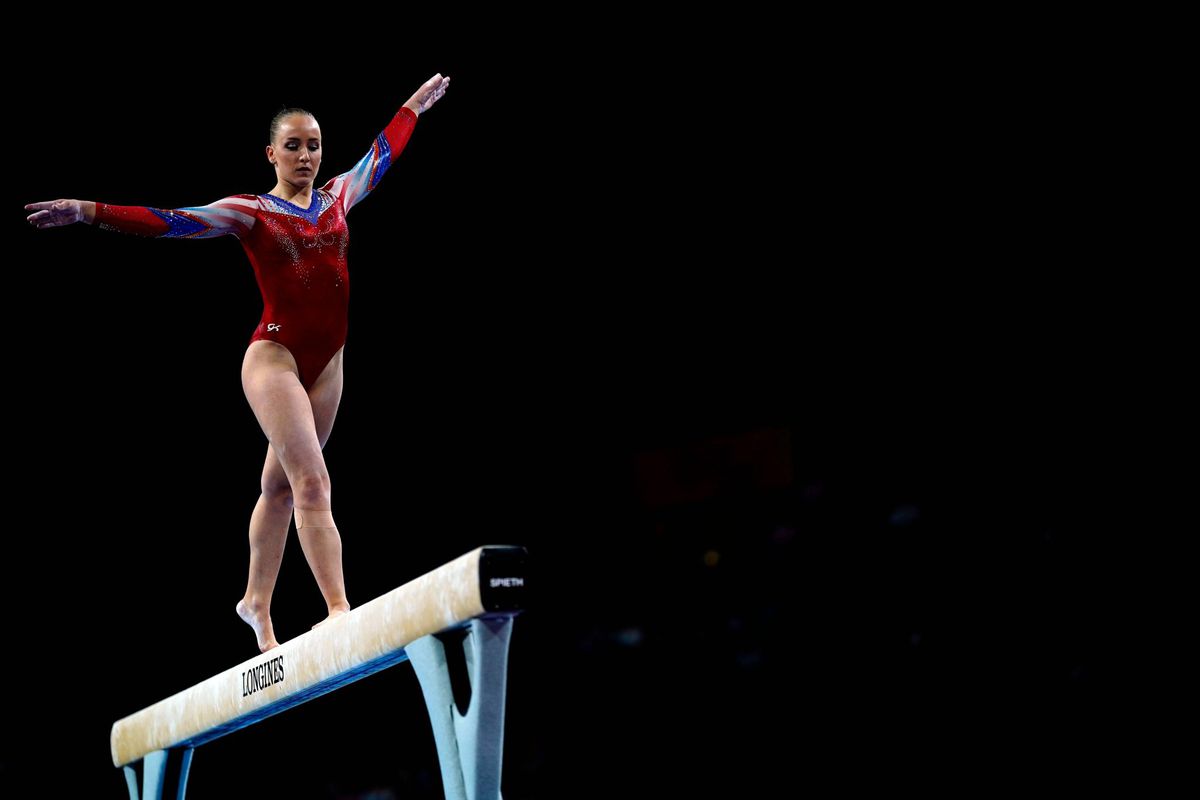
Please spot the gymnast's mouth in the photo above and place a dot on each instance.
(304, 169)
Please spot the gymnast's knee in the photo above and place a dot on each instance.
(311, 491)
(277, 494)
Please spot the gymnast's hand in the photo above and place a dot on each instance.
(430, 92)
(52, 213)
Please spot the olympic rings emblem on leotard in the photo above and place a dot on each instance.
(323, 238)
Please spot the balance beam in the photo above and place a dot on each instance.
(481, 590)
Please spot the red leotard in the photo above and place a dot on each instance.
(299, 254)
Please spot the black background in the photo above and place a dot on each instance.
(585, 253)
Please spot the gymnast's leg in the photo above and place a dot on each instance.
(268, 535)
(298, 425)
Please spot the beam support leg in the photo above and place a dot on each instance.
(468, 721)
(158, 768)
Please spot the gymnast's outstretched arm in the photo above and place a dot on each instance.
(233, 215)
(357, 182)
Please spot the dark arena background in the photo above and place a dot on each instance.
(754, 355)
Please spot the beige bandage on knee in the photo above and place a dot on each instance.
(314, 518)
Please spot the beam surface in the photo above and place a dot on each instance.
(368, 639)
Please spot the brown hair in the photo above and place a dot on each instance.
(283, 114)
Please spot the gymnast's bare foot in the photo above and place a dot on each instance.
(334, 611)
(260, 621)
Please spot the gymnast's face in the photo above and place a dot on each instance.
(296, 151)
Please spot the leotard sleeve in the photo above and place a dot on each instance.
(357, 183)
(233, 215)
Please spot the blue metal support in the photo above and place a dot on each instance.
(131, 781)
(468, 727)
(155, 774)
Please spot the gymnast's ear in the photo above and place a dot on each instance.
(271, 154)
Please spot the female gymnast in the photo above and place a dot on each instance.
(295, 237)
